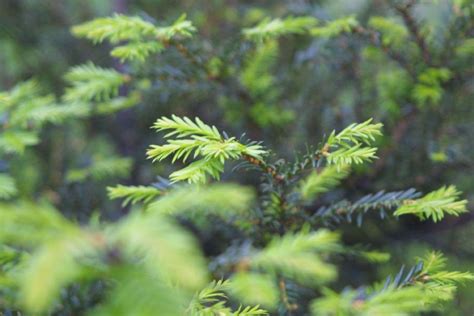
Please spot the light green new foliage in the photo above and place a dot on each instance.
(210, 301)
(353, 144)
(268, 28)
(27, 108)
(100, 169)
(435, 205)
(423, 291)
(201, 141)
(320, 182)
(428, 89)
(298, 256)
(92, 83)
(151, 246)
(138, 38)
(224, 200)
(7, 186)
(393, 32)
(335, 28)
(254, 288)
(133, 194)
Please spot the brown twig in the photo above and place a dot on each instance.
(408, 19)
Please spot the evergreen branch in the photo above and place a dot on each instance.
(418, 290)
(13, 141)
(381, 201)
(354, 155)
(115, 29)
(411, 24)
(323, 181)
(136, 51)
(356, 133)
(180, 27)
(225, 200)
(133, 194)
(349, 144)
(198, 171)
(254, 288)
(38, 290)
(182, 127)
(336, 27)
(118, 104)
(164, 248)
(435, 205)
(392, 33)
(100, 169)
(211, 301)
(57, 113)
(90, 82)
(297, 256)
(7, 186)
(29, 224)
(268, 28)
(205, 142)
(142, 38)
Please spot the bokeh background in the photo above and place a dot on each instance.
(424, 97)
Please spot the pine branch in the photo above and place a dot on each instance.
(204, 142)
(335, 28)
(407, 293)
(7, 187)
(90, 82)
(297, 256)
(133, 194)
(435, 205)
(381, 201)
(411, 24)
(347, 146)
(323, 181)
(356, 133)
(142, 38)
(268, 28)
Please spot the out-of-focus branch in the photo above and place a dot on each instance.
(409, 20)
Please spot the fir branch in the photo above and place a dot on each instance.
(354, 155)
(133, 194)
(142, 38)
(136, 51)
(225, 200)
(335, 28)
(268, 28)
(15, 141)
(90, 82)
(381, 201)
(182, 127)
(7, 187)
(320, 182)
(100, 169)
(435, 205)
(297, 256)
(347, 147)
(356, 133)
(202, 141)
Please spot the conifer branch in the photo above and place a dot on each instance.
(133, 194)
(435, 205)
(268, 28)
(202, 141)
(90, 82)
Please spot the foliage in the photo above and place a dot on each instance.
(435, 204)
(205, 248)
(203, 141)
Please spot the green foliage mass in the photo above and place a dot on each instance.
(250, 194)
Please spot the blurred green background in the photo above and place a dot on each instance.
(288, 95)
